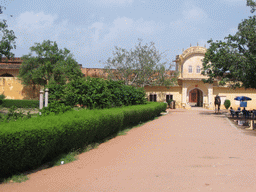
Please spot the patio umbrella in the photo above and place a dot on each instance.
(243, 98)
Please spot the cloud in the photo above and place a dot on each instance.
(194, 14)
(111, 3)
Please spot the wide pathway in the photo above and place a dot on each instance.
(182, 151)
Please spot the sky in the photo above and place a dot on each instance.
(91, 29)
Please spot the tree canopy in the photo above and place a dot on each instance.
(234, 59)
(251, 4)
(139, 67)
(50, 65)
(7, 42)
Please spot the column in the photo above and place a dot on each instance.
(46, 97)
(41, 100)
(184, 95)
(210, 92)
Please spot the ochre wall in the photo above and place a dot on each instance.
(231, 94)
(163, 91)
(194, 61)
(12, 88)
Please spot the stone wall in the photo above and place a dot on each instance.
(12, 88)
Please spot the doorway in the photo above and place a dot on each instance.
(196, 98)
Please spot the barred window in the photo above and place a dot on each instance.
(198, 69)
(190, 68)
(152, 97)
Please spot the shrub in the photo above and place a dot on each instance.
(227, 103)
(2, 97)
(8, 103)
(55, 107)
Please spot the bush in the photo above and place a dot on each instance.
(2, 97)
(55, 107)
(227, 103)
(8, 103)
(100, 93)
(13, 116)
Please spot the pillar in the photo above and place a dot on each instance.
(210, 93)
(41, 101)
(46, 97)
(184, 95)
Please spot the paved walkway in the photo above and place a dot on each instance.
(185, 150)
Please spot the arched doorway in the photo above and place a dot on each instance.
(6, 75)
(196, 98)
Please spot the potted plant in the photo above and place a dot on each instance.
(169, 102)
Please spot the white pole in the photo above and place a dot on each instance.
(41, 100)
(46, 97)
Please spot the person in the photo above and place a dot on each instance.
(254, 112)
(232, 112)
(245, 113)
(237, 112)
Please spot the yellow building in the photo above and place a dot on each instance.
(190, 90)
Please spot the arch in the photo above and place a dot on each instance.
(196, 97)
(6, 75)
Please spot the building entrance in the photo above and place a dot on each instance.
(196, 98)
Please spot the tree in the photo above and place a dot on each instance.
(252, 4)
(234, 59)
(7, 42)
(51, 65)
(139, 67)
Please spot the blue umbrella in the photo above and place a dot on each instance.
(243, 98)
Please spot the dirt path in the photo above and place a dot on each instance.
(32, 111)
(181, 151)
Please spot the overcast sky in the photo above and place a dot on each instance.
(91, 29)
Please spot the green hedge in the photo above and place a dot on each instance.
(20, 103)
(26, 144)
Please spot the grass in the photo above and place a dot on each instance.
(69, 157)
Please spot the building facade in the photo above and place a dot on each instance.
(190, 91)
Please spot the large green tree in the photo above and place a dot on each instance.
(7, 42)
(50, 65)
(234, 59)
(139, 67)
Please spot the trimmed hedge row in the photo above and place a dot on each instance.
(26, 144)
(20, 103)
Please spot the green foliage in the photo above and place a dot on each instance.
(233, 60)
(139, 67)
(2, 97)
(39, 140)
(50, 65)
(56, 92)
(99, 93)
(169, 101)
(7, 42)
(20, 103)
(55, 107)
(14, 116)
(252, 4)
(227, 103)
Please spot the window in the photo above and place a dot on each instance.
(190, 68)
(152, 97)
(198, 69)
(169, 97)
